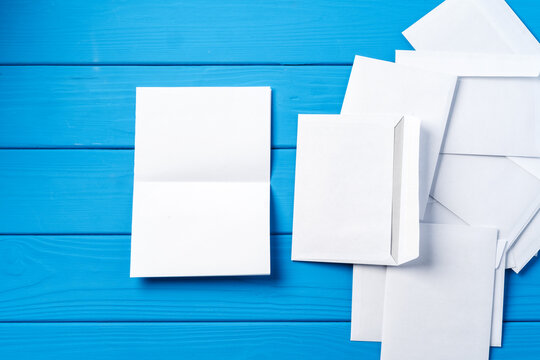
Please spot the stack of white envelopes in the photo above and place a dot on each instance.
(429, 182)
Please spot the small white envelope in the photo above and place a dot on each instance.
(383, 87)
(356, 189)
(201, 198)
(439, 306)
(472, 26)
(369, 289)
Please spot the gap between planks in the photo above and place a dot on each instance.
(177, 64)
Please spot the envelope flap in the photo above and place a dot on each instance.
(405, 205)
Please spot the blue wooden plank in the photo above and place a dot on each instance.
(256, 340)
(86, 278)
(522, 293)
(83, 106)
(208, 31)
(212, 31)
(90, 191)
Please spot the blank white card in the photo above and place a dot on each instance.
(201, 197)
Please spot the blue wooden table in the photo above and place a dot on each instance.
(67, 112)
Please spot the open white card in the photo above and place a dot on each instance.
(439, 306)
(356, 189)
(201, 197)
(472, 26)
(369, 289)
(383, 87)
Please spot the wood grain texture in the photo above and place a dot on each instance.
(87, 106)
(207, 31)
(254, 340)
(90, 191)
(212, 31)
(86, 278)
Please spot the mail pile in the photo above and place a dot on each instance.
(429, 182)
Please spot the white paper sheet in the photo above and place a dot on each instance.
(382, 87)
(369, 289)
(201, 198)
(472, 26)
(356, 189)
(439, 305)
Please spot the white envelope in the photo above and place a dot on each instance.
(472, 26)
(356, 189)
(495, 114)
(378, 86)
(369, 289)
(201, 198)
(439, 306)
(438, 214)
(489, 192)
